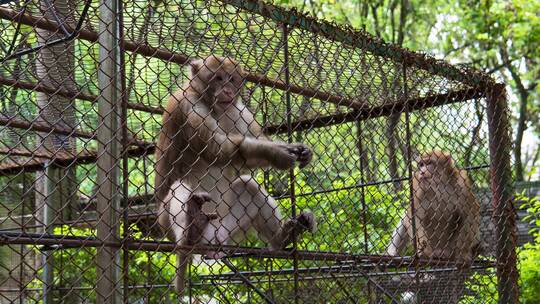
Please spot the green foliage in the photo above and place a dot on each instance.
(529, 255)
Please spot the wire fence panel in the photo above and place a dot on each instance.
(307, 163)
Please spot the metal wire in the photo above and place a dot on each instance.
(83, 109)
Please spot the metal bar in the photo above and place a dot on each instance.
(361, 40)
(361, 151)
(126, 232)
(38, 87)
(247, 281)
(308, 124)
(42, 127)
(166, 55)
(48, 219)
(65, 241)
(410, 172)
(147, 198)
(503, 205)
(230, 281)
(330, 269)
(385, 109)
(292, 196)
(61, 26)
(108, 162)
(83, 157)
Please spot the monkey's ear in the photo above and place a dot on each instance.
(195, 66)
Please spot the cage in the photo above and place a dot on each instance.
(83, 88)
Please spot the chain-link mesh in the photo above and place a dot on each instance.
(85, 90)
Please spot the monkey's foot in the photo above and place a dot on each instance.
(295, 227)
(197, 219)
(200, 198)
(307, 222)
(214, 255)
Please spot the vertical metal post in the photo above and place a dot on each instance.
(501, 188)
(361, 151)
(410, 174)
(289, 140)
(48, 219)
(108, 163)
(125, 162)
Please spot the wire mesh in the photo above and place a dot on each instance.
(84, 87)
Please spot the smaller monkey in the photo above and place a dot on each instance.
(447, 214)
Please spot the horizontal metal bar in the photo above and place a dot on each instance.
(85, 157)
(65, 242)
(361, 40)
(166, 55)
(301, 125)
(231, 281)
(345, 268)
(386, 109)
(42, 127)
(37, 87)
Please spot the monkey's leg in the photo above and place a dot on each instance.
(400, 238)
(251, 206)
(187, 222)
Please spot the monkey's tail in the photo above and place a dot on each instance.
(183, 260)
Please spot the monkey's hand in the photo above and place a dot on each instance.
(303, 153)
(282, 156)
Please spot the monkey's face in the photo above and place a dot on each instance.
(426, 169)
(434, 168)
(227, 86)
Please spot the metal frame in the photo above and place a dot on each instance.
(116, 145)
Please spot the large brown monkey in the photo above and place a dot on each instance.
(208, 142)
(447, 214)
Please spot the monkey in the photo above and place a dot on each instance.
(447, 213)
(208, 144)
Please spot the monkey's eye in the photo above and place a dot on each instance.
(219, 78)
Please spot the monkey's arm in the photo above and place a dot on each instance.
(207, 139)
(400, 237)
(166, 156)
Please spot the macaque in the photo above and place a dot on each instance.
(207, 146)
(447, 214)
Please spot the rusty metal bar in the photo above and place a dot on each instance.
(38, 87)
(109, 150)
(285, 42)
(410, 173)
(146, 199)
(301, 125)
(48, 227)
(42, 127)
(361, 40)
(385, 109)
(364, 212)
(125, 158)
(64, 160)
(259, 253)
(247, 281)
(166, 55)
(501, 187)
(13, 122)
(343, 268)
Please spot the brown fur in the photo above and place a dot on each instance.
(447, 214)
(205, 130)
